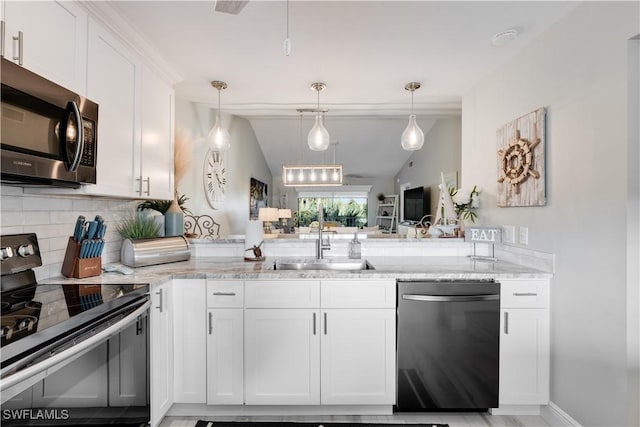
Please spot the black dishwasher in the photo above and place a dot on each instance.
(448, 345)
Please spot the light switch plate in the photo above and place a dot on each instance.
(509, 234)
(523, 237)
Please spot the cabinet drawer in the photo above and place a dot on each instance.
(524, 293)
(225, 293)
(282, 293)
(358, 293)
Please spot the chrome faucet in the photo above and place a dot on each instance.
(321, 246)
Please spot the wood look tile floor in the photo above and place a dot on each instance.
(453, 419)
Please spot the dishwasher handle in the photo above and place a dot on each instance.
(451, 298)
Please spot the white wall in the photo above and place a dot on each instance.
(441, 153)
(244, 161)
(577, 70)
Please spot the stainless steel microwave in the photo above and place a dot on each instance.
(48, 133)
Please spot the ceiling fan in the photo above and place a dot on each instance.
(233, 7)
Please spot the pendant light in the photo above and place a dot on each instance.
(219, 138)
(318, 139)
(412, 137)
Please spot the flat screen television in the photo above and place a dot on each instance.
(417, 203)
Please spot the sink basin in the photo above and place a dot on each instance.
(324, 264)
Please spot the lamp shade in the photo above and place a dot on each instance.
(412, 137)
(268, 214)
(219, 138)
(284, 213)
(318, 138)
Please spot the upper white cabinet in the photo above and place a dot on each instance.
(49, 38)
(113, 81)
(154, 175)
(524, 342)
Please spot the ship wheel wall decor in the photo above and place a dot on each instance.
(521, 155)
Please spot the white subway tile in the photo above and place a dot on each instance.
(25, 218)
(9, 190)
(31, 203)
(11, 203)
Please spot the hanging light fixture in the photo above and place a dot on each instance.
(219, 138)
(412, 137)
(318, 138)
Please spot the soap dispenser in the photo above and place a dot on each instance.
(354, 247)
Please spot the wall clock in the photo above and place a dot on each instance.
(214, 177)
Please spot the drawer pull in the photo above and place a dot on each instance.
(314, 323)
(325, 323)
(225, 294)
(506, 323)
(210, 323)
(525, 294)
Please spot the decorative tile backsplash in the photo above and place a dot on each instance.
(52, 218)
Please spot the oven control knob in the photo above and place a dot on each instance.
(25, 250)
(5, 253)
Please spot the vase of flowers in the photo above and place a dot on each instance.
(466, 204)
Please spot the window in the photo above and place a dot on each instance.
(344, 208)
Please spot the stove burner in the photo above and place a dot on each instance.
(4, 305)
(20, 325)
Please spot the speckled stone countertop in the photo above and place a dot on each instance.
(385, 267)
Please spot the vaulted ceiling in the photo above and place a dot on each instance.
(365, 51)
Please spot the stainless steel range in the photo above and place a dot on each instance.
(72, 354)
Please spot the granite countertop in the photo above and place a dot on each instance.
(385, 267)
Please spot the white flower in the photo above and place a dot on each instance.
(475, 203)
(462, 197)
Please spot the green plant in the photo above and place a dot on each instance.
(380, 197)
(162, 205)
(138, 226)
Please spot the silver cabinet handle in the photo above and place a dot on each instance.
(506, 323)
(325, 323)
(2, 38)
(20, 41)
(160, 305)
(451, 298)
(314, 323)
(525, 294)
(225, 294)
(148, 181)
(210, 323)
(139, 185)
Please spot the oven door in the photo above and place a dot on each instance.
(98, 377)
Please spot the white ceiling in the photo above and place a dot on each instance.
(365, 51)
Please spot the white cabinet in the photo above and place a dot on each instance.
(113, 81)
(127, 354)
(358, 342)
(282, 342)
(328, 342)
(161, 352)
(154, 173)
(225, 346)
(52, 36)
(190, 347)
(524, 342)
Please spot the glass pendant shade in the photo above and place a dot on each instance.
(219, 138)
(318, 138)
(412, 137)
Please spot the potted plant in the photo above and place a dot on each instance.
(138, 226)
(380, 197)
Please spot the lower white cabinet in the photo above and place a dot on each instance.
(358, 356)
(225, 349)
(524, 342)
(282, 357)
(190, 347)
(305, 351)
(161, 351)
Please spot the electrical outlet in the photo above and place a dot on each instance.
(509, 234)
(523, 238)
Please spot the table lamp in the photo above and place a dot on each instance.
(267, 215)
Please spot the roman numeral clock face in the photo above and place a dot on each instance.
(215, 180)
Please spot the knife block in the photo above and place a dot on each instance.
(79, 268)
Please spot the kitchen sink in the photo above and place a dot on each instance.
(323, 264)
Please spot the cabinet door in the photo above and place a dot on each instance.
(225, 376)
(358, 356)
(524, 356)
(128, 367)
(189, 326)
(161, 354)
(54, 41)
(154, 179)
(282, 357)
(77, 385)
(112, 75)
